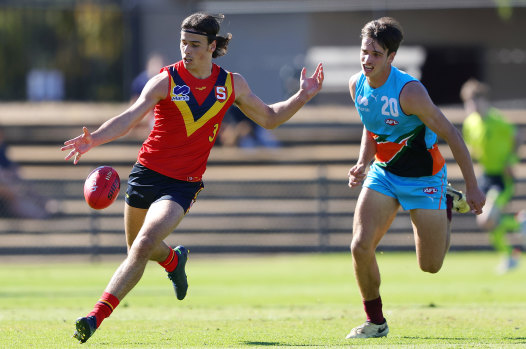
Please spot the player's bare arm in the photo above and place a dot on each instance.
(271, 116)
(155, 90)
(358, 172)
(414, 99)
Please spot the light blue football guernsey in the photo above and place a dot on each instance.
(405, 146)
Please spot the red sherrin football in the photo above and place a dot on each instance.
(102, 187)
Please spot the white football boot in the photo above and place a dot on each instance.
(369, 330)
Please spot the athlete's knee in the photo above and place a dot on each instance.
(142, 247)
(360, 248)
(431, 266)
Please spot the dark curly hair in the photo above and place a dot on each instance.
(208, 25)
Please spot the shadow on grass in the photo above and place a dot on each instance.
(440, 338)
(520, 340)
(263, 343)
(277, 344)
(514, 340)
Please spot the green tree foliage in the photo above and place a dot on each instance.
(83, 40)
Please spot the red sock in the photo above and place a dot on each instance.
(170, 263)
(104, 307)
(373, 310)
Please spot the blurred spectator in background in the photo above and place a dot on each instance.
(493, 142)
(238, 130)
(154, 64)
(289, 73)
(17, 199)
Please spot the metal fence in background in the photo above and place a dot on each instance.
(291, 199)
(229, 217)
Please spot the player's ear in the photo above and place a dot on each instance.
(391, 57)
(212, 46)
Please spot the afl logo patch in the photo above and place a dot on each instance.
(391, 122)
(430, 190)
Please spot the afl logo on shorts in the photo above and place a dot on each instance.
(391, 122)
(430, 190)
(221, 93)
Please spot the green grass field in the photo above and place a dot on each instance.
(269, 301)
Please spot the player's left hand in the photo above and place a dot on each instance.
(311, 86)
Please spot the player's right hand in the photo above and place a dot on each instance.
(356, 175)
(78, 145)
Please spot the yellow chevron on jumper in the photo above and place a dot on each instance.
(188, 117)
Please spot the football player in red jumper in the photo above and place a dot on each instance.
(189, 98)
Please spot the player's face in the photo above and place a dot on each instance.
(195, 51)
(375, 61)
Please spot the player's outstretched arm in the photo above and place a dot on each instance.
(414, 99)
(155, 90)
(271, 116)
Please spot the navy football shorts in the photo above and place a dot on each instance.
(146, 186)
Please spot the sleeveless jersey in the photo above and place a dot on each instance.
(187, 122)
(404, 145)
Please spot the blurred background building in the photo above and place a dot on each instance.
(92, 50)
